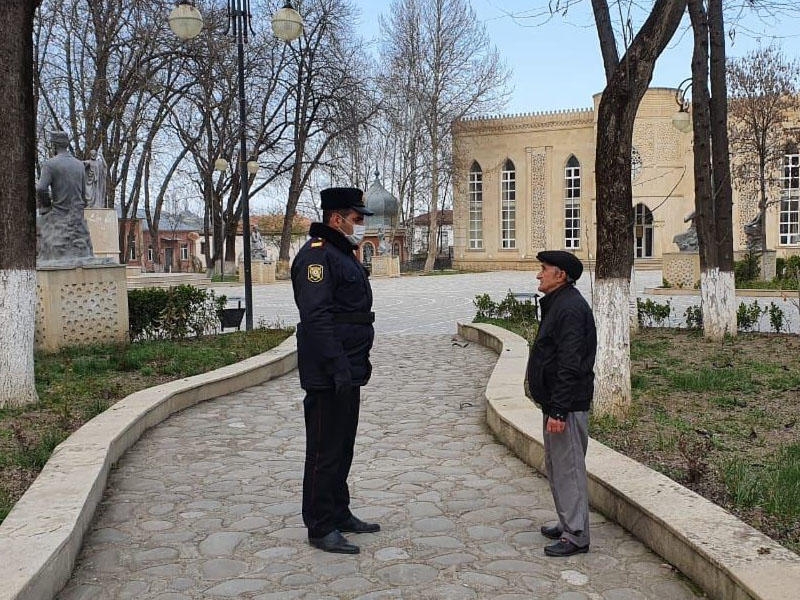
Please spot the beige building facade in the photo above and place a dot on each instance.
(526, 183)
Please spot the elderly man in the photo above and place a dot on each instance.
(560, 379)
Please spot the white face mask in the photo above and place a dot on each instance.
(357, 235)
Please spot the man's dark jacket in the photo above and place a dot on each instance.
(333, 295)
(560, 372)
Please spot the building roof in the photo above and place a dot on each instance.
(445, 218)
(185, 220)
(381, 202)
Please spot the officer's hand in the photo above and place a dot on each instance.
(344, 386)
(555, 425)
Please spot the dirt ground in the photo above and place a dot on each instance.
(702, 409)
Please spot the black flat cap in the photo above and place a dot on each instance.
(344, 197)
(566, 261)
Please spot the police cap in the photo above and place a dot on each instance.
(344, 197)
(566, 261)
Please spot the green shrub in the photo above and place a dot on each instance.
(487, 309)
(747, 269)
(748, 315)
(776, 317)
(694, 317)
(651, 313)
(175, 313)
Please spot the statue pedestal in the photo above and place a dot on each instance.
(104, 231)
(260, 272)
(385, 266)
(681, 269)
(767, 274)
(81, 306)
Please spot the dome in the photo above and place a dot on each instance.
(383, 204)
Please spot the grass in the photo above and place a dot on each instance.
(77, 384)
(217, 278)
(722, 418)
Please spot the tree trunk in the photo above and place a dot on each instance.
(282, 267)
(717, 281)
(626, 85)
(17, 205)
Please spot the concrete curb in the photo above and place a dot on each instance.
(42, 535)
(727, 558)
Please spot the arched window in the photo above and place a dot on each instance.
(572, 204)
(508, 205)
(789, 216)
(643, 231)
(475, 207)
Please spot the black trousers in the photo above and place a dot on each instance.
(331, 423)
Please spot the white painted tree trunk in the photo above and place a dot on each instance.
(612, 367)
(718, 293)
(17, 323)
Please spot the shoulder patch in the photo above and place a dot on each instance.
(315, 273)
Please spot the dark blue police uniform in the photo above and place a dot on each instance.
(334, 338)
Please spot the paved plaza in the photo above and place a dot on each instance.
(433, 304)
(207, 504)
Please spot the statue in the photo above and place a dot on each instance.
(62, 235)
(258, 249)
(753, 231)
(687, 241)
(96, 172)
(383, 244)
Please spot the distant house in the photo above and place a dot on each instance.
(444, 235)
(178, 248)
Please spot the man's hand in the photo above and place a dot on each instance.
(555, 425)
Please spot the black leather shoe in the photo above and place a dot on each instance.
(334, 542)
(356, 525)
(551, 533)
(564, 548)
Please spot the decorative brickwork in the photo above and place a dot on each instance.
(537, 169)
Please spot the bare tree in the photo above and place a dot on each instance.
(17, 204)
(763, 93)
(452, 71)
(327, 97)
(627, 80)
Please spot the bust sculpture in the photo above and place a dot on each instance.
(687, 241)
(62, 235)
(258, 249)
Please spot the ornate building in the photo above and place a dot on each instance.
(526, 183)
(384, 234)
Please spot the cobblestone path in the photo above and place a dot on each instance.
(207, 504)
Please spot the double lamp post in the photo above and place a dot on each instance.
(187, 22)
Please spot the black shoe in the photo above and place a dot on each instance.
(356, 525)
(551, 533)
(334, 542)
(564, 547)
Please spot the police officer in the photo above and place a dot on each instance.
(334, 337)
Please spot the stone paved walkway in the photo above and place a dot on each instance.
(206, 505)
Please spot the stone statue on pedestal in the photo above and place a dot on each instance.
(258, 249)
(62, 235)
(96, 173)
(753, 231)
(687, 241)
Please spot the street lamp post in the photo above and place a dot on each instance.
(681, 119)
(186, 22)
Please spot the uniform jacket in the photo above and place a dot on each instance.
(332, 290)
(560, 372)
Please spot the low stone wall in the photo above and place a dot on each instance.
(41, 537)
(727, 558)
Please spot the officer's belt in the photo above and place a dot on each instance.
(363, 318)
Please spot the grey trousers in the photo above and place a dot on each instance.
(565, 454)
